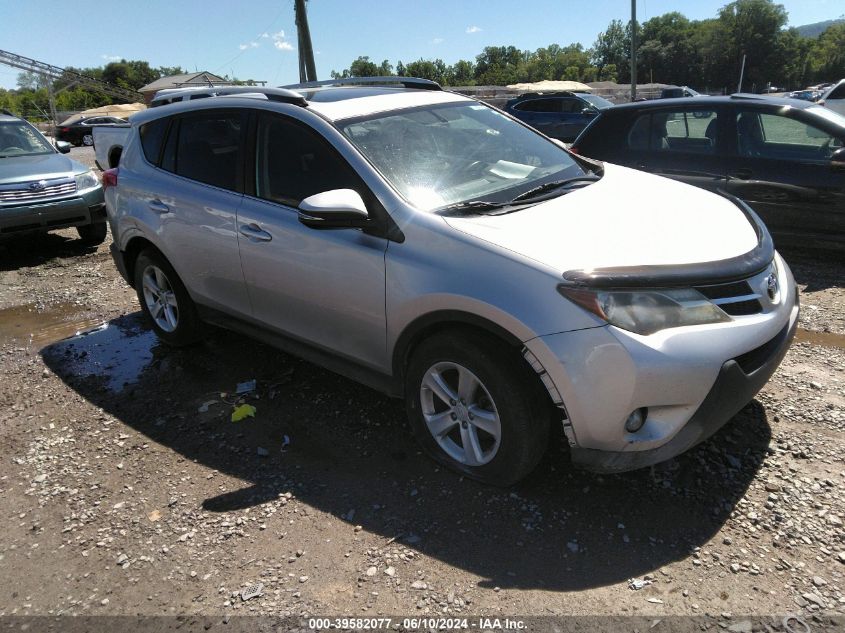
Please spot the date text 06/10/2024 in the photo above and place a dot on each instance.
(411, 624)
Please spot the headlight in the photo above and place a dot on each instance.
(86, 180)
(647, 311)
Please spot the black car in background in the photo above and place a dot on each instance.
(79, 132)
(560, 115)
(784, 157)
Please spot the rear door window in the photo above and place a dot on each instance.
(208, 148)
(684, 130)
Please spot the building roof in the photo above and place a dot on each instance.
(203, 78)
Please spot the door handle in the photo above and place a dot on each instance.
(255, 232)
(742, 174)
(158, 206)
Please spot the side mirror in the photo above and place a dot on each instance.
(63, 147)
(837, 160)
(335, 209)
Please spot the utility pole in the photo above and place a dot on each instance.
(633, 50)
(741, 74)
(307, 69)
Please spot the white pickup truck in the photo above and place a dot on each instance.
(108, 144)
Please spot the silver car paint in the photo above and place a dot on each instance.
(601, 371)
(193, 223)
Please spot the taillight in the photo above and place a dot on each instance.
(110, 178)
(65, 129)
(573, 149)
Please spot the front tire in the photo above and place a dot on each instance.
(92, 234)
(475, 407)
(87, 140)
(165, 301)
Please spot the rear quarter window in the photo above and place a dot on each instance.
(152, 136)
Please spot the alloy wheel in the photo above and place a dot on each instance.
(460, 414)
(160, 299)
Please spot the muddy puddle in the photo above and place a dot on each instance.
(118, 351)
(31, 326)
(825, 339)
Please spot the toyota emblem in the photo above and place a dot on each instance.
(41, 185)
(772, 286)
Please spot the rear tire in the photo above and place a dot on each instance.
(88, 140)
(92, 234)
(165, 301)
(475, 407)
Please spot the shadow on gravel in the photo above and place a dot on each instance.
(26, 251)
(349, 450)
(817, 270)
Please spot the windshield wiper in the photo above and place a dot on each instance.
(474, 205)
(552, 186)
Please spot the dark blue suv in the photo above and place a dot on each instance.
(560, 115)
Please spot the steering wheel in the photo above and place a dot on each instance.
(12, 149)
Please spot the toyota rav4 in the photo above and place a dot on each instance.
(441, 251)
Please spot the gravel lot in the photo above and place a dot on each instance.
(127, 490)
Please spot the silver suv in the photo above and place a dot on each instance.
(441, 251)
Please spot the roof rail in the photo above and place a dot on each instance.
(273, 94)
(751, 95)
(405, 82)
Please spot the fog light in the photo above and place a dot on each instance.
(636, 420)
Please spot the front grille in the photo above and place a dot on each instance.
(735, 298)
(37, 190)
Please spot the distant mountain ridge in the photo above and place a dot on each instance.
(817, 28)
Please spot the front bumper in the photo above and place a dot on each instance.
(86, 208)
(690, 379)
(738, 382)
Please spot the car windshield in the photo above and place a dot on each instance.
(444, 155)
(599, 102)
(19, 139)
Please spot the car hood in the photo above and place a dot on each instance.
(43, 166)
(627, 219)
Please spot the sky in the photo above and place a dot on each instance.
(256, 39)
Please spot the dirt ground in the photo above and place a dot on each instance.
(127, 490)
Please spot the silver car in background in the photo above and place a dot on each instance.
(437, 249)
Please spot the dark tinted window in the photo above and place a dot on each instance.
(152, 136)
(838, 93)
(691, 131)
(293, 162)
(199, 96)
(208, 148)
(539, 105)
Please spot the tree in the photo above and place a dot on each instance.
(461, 73)
(499, 65)
(827, 57)
(751, 28)
(612, 47)
(425, 69)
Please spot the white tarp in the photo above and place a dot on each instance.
(551, 86)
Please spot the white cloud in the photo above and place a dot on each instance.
(474, 29)
(280, 42)
(112, 58)
(264, 35)
(437, 40)
(243, 47)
